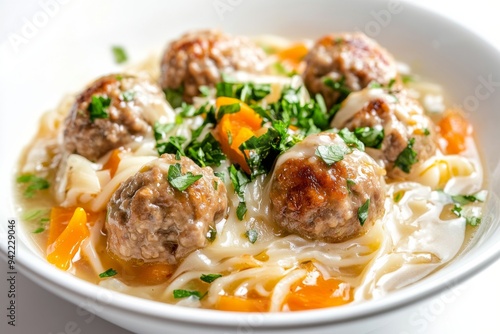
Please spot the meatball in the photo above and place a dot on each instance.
(350, 59)
(403, 121)
(199, 58)
(326, 202)
(113, 111)
(151, 220)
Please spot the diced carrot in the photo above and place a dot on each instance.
(240, 304)
(62, 251)
(59, 219)
(236, 128)
(154, 273)
(454, 129)
(113, 162)
(294, 53)
(315, 292)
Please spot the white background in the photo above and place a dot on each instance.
(470, 308)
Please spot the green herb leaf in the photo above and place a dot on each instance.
(174, 96)
(179, 293)
(211, 234)
(239, 180)
(178, 180)
(473, 221)
(406, 78)
(351, 140)
(208, 152)
(457, 210)
(98, 107)
(398, 196)
(350, 184)
(204, 90)
(241, 210)
(338, 86)
(332, 153)
(38, 230)
(465, 199)
(252, 235)
(426, 132)
(119, 54)
(371, 137)
(108, 273)
(407, 157)
(128, 96)
(209, 278)
(34, 184)
(363, 212)
(228, 109)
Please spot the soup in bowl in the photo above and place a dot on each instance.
(320, 172)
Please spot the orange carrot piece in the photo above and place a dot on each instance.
(59, 219)
(294, 53)
(62, 251)
(240, 304)
(236, 128)
(323, 293)
(454, 129)
(113, 162)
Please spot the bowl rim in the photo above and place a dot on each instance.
(35, 266)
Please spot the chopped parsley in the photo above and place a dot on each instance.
(204, 90)
(363, 212)
(179, 293)
(174, 96)
(34, 183)
(239, 180)
(209, 278)
(228, 109)
(252, 235)
(473, 221)
(181, 181)
(211, 234)
(407, 157)
(338, 86)
(457, 210)
(98, 107)
(108, 273)
(426, 132)
(332, 153)
(128, 96)
(350, 183)
(246, 92)
(351, 139)
(370, 136)
(465, 199)
(398, 196)
(119, 54)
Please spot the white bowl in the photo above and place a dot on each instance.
(62, 47)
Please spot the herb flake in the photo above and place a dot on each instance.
(108, 273)
(181, 181)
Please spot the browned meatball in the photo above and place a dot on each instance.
(199, 58)
(402, 119)
(113, 111)
(326, 202)
(151, 220)
(351, 59)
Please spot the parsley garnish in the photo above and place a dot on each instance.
(407, 157)
(473, 221)
(209, 278)
(371, 137)
(465, 199)
(351, 140)
(246, 92)
(119, 54)
(211, 234)
(108, 273)
(128, 96)
(252, 235)
(174, 96)
(34, 183)
(179, 293)
(98, 107)
(363, 212)
(204, 90)
(239, 180)
(350, 183)
(227, 109)
(178, 180)
(457, 210)
(332, 153)
(338, 86)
